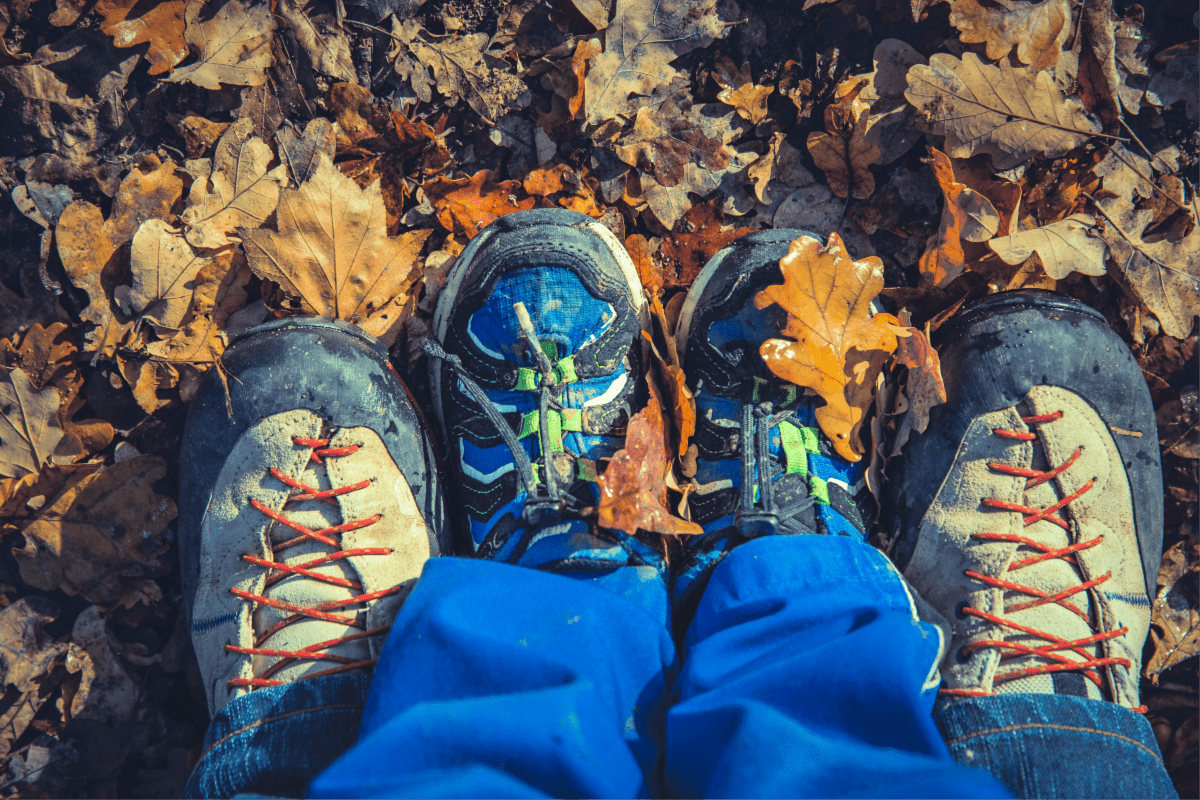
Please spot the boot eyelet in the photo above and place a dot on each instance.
(960, 656)
(958, 610)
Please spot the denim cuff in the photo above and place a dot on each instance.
(275, 740)
(1047, 745)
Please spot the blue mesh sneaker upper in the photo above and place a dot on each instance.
(763, 467)
(535, 377)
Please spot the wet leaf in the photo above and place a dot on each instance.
(739, 90)
(1066, 246)
(633, 487)
(966, 215)
(1013, 113)
(698, 237)
(834, 346)
(239, 193)
(233, 45)
(88, 245)
(468, 204)
(1036, 31)
(30, 434)
(160, 24)
(332, 249)
(100, 533)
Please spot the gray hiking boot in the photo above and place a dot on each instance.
(1030, 511)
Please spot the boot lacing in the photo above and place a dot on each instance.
(278, 571)
(1057, 661)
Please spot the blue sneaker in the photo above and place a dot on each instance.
(750, 423)
(537, 369)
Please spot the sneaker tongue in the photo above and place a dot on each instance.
(305, 591)
(1051, 577)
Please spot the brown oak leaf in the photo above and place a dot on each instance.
(30, 434)
(967, 215)
(333, 252)
(1037, 31)
(633, 487)
(739, 90)
(842, 150)
(834, 346)
(697, 238)
(27, 656)
(924, 388)
(160, 24)
(233, 45)
(1175, 620)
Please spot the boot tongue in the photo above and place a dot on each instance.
(307, 592)
(1051, 576)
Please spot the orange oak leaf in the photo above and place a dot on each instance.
(545, 182)
(633, 488)
(468, 204)
(924, 388)
(697, 238)
(967, 215)
(835, 347)
(739, 90)
(133, 22)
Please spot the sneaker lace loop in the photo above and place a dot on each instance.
(277, 571)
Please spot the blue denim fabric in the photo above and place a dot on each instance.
(273, 741)
(1057, 745)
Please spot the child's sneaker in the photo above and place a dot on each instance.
(537, 369)
(309, 503)
(1029, 513)
(751, 425)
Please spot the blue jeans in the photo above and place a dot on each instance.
(805, 672)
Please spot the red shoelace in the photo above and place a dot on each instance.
(1057, 662)
(277, 571)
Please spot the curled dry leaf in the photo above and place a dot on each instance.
(639, 45)
(87, 244)
(468, 204)
(233, 45)
(924, 388)
(1063, 247)
(30, 434)
(739, 90)
(633, 487)
(1013, 113)
(967, 214)
(332, 249)
(835, 347)
(132, 22)
(239, 193)
(101, 533)
(1037, 31)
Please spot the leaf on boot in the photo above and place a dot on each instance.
(633, 487)
(639, 45)
(30, 434)
(835, 347)
(1063, 247)
(924, 388)
(160, 24)
(1174, 620)
(1013, 113)
(967, 215)
(100, 533)
(332, 249)
(240, 192)
(1036, 31)
(234, 45)
(87, 243)
(739, 90)
(468, 205)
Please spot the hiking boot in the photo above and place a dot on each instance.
(309, 502)
(1029, 513)
(762, 467)
(537, 369)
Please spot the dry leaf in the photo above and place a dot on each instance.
(966, 215)
(890, 125)
(320, 36)
(633, 487)
(470, 204)
(842, 151)
(739, 90)
(836, 347)
(1175, 620)
(780, 165)
(200, 134)
(100, 533)
(299, 153)
(1037, 31)
(332, 249)
(163, 266)
(220, 292)
(639, 45)
(1066, 246)
(26, 651)
(234, 45)
(1014, 114)
(663, 146)
(30, 434)
(160, 24)
(240, 192)
(106, 692)
(87, 244)
(924, 388)
(463, 70)
(1099, 83)
(1179, 80)
(698, 237)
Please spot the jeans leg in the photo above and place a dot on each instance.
(808, 673)
(503, 681)
(1043, 745)
(274, 740)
